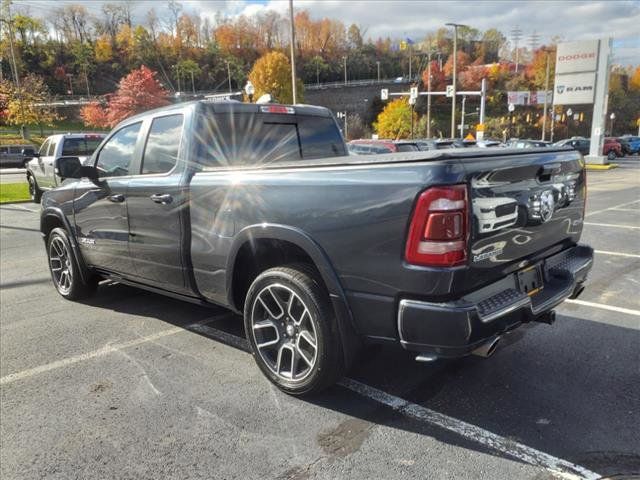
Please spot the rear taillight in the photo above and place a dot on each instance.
(439, 228)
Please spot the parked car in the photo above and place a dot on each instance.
(630, 144)
(16, 155)
(528, 143)
(434, 144)
(390, 145)
(42, 170)
(258, 208)
(611, 148)
(489, 143)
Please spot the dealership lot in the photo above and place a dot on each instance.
(134, 385)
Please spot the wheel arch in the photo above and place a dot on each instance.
(252, 236)
(53, 217)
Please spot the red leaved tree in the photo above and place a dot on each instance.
(94, 115)
(139, 91)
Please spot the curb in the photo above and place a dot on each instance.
(610, 166)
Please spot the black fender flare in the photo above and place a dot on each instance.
(301, 239)
(59, 214)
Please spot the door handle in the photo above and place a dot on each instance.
(117, 198)
(162, 198)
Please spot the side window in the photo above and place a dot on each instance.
(52, 149)
(163, 142)
(115, 157)
(320, 137)
(44, 148)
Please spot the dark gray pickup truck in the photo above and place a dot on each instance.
(259, 208)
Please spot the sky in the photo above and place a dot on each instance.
(569, 20)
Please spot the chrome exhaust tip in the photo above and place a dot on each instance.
(487, 349)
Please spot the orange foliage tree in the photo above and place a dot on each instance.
(94, 115)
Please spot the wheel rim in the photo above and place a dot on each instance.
(32, 188)
(284, 332)
(60, 264)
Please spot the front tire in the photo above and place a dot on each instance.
(292, 330)
(611, 155)
(34, 192)
(64, 268)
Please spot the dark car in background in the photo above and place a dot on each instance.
(373, 146)
(611, 148)
(16, 155)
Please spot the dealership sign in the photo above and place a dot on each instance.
(575, 57)
(574, 89)
(528, 98)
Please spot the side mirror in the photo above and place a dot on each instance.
(35, 154)
(71, 167)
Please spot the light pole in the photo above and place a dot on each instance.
(569, 114)
(70, 91)
(229, 74)
(412, 102)
(293, 55)
(249, 89)
(378, 65)
(455, 72)
(612, 117)
(344, 61)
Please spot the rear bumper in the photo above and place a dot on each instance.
(454, 329)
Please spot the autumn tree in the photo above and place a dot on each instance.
(25, 104)
(395, 120)
(94, 115)
(634, 81)
(137, 92)
(272, 74)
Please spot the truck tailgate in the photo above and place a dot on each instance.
(523, 205)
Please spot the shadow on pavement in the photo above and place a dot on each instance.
(571, 390)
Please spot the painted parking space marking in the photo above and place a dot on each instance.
(612, 225)
(559, 467)
(617, 254)
(602, 306)
(622, 205)
(107, 349)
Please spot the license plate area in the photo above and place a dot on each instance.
(530, 280)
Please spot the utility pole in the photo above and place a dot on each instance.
(516, 34)
(344, 60)
(317, 72)
(229, 75)
(16, 76)
(86, 81)
(410, 77)
(546, 100)
(464, 101)
(293, 54)
(378, 65)
(455, 61)
(193, 85)
(429, 97)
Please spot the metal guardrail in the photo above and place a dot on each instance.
(355, 83)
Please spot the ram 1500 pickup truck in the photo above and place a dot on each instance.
(258, 208)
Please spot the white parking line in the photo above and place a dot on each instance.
(611, 225)
(602, 306)
(557, 466)
(618, 254)
(98, 353)
(610, 208)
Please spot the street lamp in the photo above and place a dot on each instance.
(612, 117)
(412, 102)
(249, 89)
(378, 65)
(344, 60)
(455, 72)
(569, 114)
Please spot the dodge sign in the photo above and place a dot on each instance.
(574, 57)
(574, 89)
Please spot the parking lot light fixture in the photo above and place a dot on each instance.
(612, 117)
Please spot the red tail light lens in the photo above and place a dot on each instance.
(439, 231)
(277, 109)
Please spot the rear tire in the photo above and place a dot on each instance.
(34, 192)
(611, 155)
(65, 268)
(293, 331)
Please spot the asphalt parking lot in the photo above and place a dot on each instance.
(134, 385)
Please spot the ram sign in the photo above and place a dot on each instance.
(574, 89)
(575, 57)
